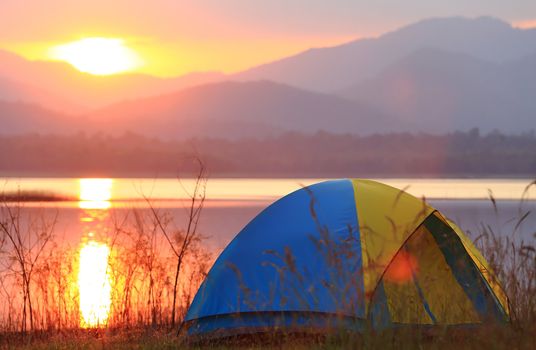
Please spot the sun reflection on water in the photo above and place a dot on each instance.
(94, 284)
(93, 276)
(95, 193)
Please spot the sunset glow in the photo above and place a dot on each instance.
(526, 24)
(94, 284)
(98, 56)
(212, 173)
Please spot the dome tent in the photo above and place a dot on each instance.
(351, 254)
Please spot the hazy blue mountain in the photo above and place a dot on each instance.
(334, 68)
(440, 91)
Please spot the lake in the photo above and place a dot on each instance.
(232, 203)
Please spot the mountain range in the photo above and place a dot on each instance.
(437, 75)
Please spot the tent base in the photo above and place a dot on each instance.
(297, 327)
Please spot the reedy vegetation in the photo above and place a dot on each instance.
(149, 296)
(39, 273)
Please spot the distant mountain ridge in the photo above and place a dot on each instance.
(11, 91)
(445, 91)
(227, 109)
(22, 118)
(335, 68)
(221, 109)
(85, 91)
(437, 75)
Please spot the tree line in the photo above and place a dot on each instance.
(287, 155)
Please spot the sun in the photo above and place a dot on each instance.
(98, 56)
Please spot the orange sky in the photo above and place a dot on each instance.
(175, 58)
(174, 37)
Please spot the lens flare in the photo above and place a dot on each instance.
(94, 284)
(402, 268)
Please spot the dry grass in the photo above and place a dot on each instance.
(142, 317)
(148, 338)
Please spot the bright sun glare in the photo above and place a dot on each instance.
(98, 56)
(94, 284)
(93, 277)
(95, 193)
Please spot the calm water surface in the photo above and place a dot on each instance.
(259, 189)
(232, 203)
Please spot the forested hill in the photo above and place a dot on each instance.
(287, 155)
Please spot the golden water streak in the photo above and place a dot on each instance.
(94, 284)
(95, 193)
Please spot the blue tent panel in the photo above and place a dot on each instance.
(283, 252)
